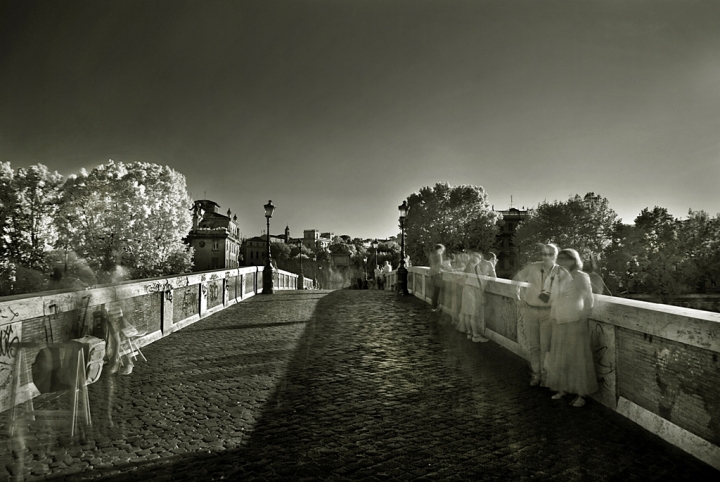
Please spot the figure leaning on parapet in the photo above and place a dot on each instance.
(534, 305)
(378, 276)
(436, 269)
(486, 268)
(472, 313)
(569, 364)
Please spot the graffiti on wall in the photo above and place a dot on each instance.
(213, 293)
(10, 336)
(602, 343)
(7, 314)
(189, 302)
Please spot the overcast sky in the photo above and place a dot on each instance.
(338, 110)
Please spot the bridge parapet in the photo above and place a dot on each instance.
(156, 307)
(658, 365)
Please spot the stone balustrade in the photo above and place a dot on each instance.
(656, 364)
(156, 307)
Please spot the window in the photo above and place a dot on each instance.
(216, 245)
(215, 262)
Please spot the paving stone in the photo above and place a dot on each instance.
(345, 385)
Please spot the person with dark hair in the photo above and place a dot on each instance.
(534, 305)
(569, 363)
(492, 259)
(378, 280)
(598, 285)
(436, 269)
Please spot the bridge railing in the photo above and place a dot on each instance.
(156, 307)
(658, 365)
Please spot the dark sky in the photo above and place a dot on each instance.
(338, 110)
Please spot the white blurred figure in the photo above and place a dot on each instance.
(534, 305)
(471, 300)
(569, 363)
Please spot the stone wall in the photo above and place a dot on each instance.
(156, 307)
(656, 364)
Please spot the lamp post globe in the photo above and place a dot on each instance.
(301, 276)
(402, 269)
(268, 270)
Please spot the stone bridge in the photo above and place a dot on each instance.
(369, 385)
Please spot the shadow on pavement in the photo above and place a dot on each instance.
(379, 388)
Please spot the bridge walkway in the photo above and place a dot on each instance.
(345, 385)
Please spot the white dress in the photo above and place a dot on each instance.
(569, 363)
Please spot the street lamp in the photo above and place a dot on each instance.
(301, 277)
(267, 272)
(365, 280)
(402, 273)
(315, 272)
(375, 247)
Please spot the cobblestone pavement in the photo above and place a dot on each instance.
(346, 385)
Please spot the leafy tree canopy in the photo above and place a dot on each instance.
(133, 215)
(460, 217)
(582, 223)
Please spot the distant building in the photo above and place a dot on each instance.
(313, 239)
(507, 264)
(214, 236)
(254, 250)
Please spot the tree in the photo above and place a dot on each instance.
(127, 221)
(585, 224)
(29, 200)
(459, 217)
(280, 252)
(659, 254)
(699, 239)
(652, 257)
(8, 203)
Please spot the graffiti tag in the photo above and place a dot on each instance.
(6, 312)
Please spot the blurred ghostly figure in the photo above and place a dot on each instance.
(436, 269)
(569, 363)
(598, 285)
(534, 306)
(115, 323)
(471, 300)
(378, 277)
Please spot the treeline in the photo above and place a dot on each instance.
(116, 222)
(657, 255)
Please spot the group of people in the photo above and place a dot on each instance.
(472, 270)
(381, 274)
(555, 304)
(555, 308)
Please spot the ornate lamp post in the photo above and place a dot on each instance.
(315, 272)
(402, 273)
(301, 276)
(365, 279)
(267, 272)
(375, 247)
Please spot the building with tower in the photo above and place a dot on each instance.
(507, 264)
(215, 237)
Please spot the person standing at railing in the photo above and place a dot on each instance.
(436, 269)
(471, 307)
(534, 305)
(114, 323)
(378, 277)
(386, 270)
(486, 268)
(569, 363)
